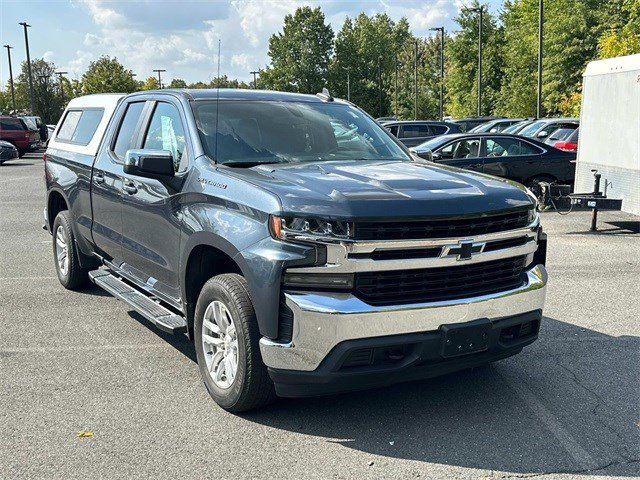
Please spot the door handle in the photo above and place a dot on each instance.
(98, 177)
(130, 188)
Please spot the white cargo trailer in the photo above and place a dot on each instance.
(610, 130)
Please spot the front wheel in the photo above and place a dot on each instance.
(227, 345)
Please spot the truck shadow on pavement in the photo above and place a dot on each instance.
(568, 403)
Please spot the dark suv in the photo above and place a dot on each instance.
(15, 131)
(415, 132)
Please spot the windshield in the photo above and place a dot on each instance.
(433, 143)
(483, 127)
(255, 132)
(533, 128)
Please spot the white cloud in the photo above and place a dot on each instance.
(142, 37)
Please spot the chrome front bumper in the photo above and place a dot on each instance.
(323, 320)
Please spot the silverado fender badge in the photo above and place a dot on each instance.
(204, 181)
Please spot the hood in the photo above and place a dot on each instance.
(385, 189)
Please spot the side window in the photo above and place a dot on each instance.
(79, 126)
(413, 131)
(467, 148)
(127, 131)
(509, 147)
(393, 129)
(11, 124)
(438, 129)
(165, 132)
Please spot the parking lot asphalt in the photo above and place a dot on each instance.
(568, 406)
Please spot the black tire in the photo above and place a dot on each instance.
(21, 153)
(75, 277)
(252, 387)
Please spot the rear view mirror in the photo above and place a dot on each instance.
(149, 163)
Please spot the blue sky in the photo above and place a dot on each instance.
(181, 36)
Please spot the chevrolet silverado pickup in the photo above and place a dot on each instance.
(301, 247)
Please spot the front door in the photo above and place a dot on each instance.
(151, 223)
(512, 158)
(106, 188)
(462, 153)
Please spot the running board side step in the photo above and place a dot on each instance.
(160, 316)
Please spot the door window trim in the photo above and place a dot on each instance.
(125, 107)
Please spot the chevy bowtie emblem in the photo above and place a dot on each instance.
(464, 250)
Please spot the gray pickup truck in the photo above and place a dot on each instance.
(297, 242)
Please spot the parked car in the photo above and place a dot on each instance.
(508, 156)
(248, 220)
(541, 129)
(14, 130)
(516, 128)
(36, 123)
(495, 126)
(466, 124)
(558, 135)
(569, 144)
(50, 129)
(7, 151)
(415, 132)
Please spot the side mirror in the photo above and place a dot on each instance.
(149, 163)
(435, 156)
(542, 134)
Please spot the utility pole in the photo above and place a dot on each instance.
(441, 30)
(255, 79)
(13, 93)
(60, 74)
(159, 71)
(540, 25)
(26, 43)
(415, 81)
(379, 87)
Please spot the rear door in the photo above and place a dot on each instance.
(512, 158)
(415, 133)
(151, 223)
(107, 179)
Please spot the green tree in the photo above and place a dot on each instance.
(47, 100)
(462, 68)
(300, 54)
(151, 83)
(178, 83)
(107, 75)
(366, 48)
(623, 35)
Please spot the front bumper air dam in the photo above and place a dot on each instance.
(327, 325)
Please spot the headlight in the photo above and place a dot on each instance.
(309, 229)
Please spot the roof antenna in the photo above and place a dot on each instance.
(217, 105)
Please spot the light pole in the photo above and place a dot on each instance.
(415, 81)
(395, 91)
(348, 86)
(60, 74)
(255, 78)
(13, 93)
(25, 25)
(379, 87)
(441, 30)
(159, 71)
(540, 25)
(479, 10)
